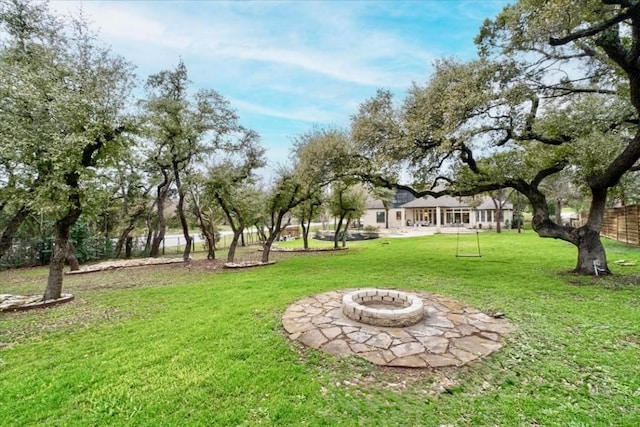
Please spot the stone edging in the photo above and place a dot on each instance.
(247, 264)
(38, 304)
(308, 250)
(112, 265)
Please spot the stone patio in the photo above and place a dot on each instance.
(451, 334)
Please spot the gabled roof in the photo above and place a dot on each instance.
(431, 202)
(374, 204)
(487, 203)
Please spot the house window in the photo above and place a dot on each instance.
(401, 197)
(380, 217)
(398, 216)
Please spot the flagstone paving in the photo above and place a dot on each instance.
(451, 334)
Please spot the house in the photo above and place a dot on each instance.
(375, 214)
(445, 211)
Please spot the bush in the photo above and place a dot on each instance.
(23, 253)
(90, 247)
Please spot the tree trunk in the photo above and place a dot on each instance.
(183, 218)
(128, 246)
(237, 233)
(72, 259)
(305, 233)
(208, 235)
(211, 243)
(158, 236)
(149, 223)
(122, 240)
(186, 254)
(267, 247)
(147, 242)
(56, 266)
(262, 236)
(559, 211)
(344, 235)
(60, 253)
(386, 218)
(6, 240)
(161, 226)
(62, 245)
(124, 236)
(336, 235)
(592, 259)
(498, 216)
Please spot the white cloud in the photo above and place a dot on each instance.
(288, 65)
(338, 48)
(310, 114)
(121, 21)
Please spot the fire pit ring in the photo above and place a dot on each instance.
(383, 307)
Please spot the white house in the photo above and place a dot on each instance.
(375, 215)
(428, 211)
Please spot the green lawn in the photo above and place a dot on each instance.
(170, 345)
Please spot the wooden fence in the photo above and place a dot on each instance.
(622, 224)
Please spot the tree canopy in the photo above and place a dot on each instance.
(555, 88)
(63, 115)
(552, 101)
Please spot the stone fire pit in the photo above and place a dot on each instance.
(383, 307)
(440, 331)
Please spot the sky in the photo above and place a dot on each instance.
(287, 66)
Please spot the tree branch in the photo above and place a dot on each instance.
(466, 155)
(558, 167)
(598, 28)
(623, 3)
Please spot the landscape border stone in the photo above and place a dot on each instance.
(124, 263)
(307, 250)
(247, 264)
(36, 304)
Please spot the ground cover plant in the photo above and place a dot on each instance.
(175, 345)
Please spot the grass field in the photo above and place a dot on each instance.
(171, 345)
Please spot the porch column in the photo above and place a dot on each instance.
(437, 219)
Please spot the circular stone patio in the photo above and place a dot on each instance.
(451, 334)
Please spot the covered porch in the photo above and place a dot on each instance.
(440, 217)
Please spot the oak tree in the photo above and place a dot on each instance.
(63, 116)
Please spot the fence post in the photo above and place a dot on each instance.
(626, 226)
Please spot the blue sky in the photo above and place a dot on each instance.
(289, 65)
